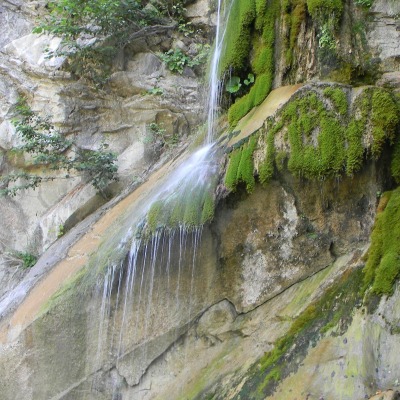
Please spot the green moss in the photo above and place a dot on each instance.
(385, 118)
(294, 15)
(267, 167)
(383, 264)
(281, 157)
(232, 171)
(331, 147)
(207, 213)
(395, 163)
(193, 206)
(262, 63)
(241, 167)
(324, 141)
(343, 74)
(306, 159)
(355, 150)
(246, 165)
(323, 9)
(154, 216)
(339, 99)
(237, 48)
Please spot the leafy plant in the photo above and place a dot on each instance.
(156, 134)
(61, 230)
(157, 91)
(233, 85)
(176, 59)
(364, 3)
(28, 260)
(249, 80)
(49, 148)
(326, 39)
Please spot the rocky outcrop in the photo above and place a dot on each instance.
(120, 115)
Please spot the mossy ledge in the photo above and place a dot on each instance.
(320, 134)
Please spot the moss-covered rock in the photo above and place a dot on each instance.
(321, 134)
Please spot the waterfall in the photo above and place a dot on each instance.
(165, 226)
(214, 86)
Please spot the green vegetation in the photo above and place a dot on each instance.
(207, 214)
(232, 170)
(383, 264)
(326, 38)
(241, 167)
(320, 137)
(50, 149)
(339, 99)
(237, 48)
(61, 230)
(320, 10)
(294, 14)
(93, 32)
(395, 163)
(385, 118)
(190, 209)
(364, 3)
(234, 83)
(176, 60)
(156, 136)
(262, 63)
(251, 24)
(28, 260)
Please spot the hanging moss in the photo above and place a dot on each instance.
(154, 216)
(323, 9)
(238, 45)
(245, 171)
(232, 171)
(355, 149)
(193, 208)
(295, 12)
(383, 264)
(324, 141)
(395, 164)
(207, 213)
(385, 118)
(281, 157)
(267, 167)
(339, 99)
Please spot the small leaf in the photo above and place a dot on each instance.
(249, 80)
(233, 85)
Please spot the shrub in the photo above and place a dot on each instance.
(48, 147)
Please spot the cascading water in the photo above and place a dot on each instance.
(166, 226)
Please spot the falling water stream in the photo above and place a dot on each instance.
(163, 238)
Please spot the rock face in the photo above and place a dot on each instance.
(243, 288)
